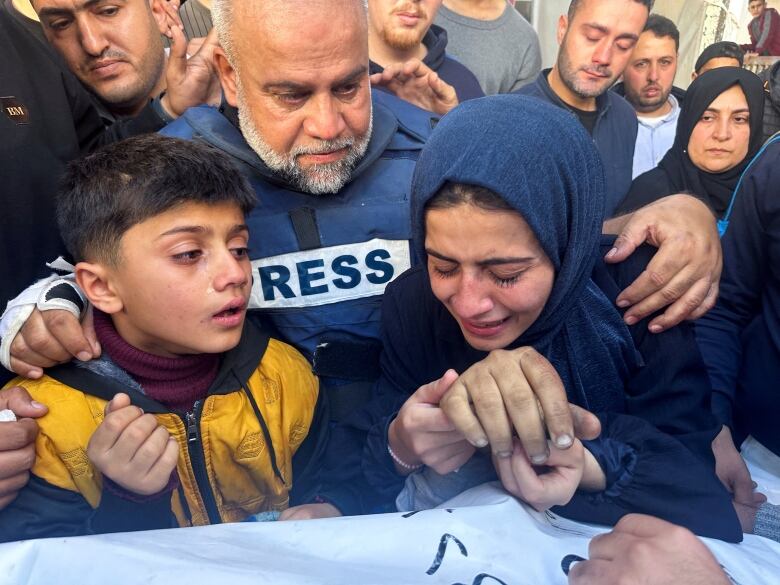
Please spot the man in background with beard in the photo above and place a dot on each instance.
(400, 31)
(596, 40)
(648, 85)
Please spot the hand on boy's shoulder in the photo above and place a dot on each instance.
(133, 449)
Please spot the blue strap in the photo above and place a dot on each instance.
(723, 224)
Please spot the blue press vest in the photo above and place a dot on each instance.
(331, 291)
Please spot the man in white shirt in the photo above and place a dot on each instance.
(648, 85)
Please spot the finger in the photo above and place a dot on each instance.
(177, 57)
(742, 487)
(150, 450)
(17, 435)
(630, 238)
(491, 411)
(68, 332)
(433, 392)
(548, 388)
(679, 310)
(26, 370)
(167, 461)
(12, 463)
(523, 409)
(88, 327)
(34, 343)
(5, 500)
(135, 434)
(609, 545)
(587, 425)
(506, 474)
(459, 458)
(172, 13)
(593, 572)
(455, 404)
(120, 400)
(525, 475)
(431, 420)
(11, 485)
(105, 437)
(708, 304)
(21, 403)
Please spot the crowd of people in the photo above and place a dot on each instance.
(336, 257)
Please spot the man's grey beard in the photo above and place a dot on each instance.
(321, 179)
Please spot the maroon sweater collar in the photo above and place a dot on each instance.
(175, 382)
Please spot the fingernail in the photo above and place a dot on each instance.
(612, 252)
(479, 443)
(36, 404)
(34, 373)
(623, 303)
(631, 320)
(563, 441)
(538, 459)
(656, 328)
(84, 356)
(504, 454)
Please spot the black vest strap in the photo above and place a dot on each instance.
(304, 220)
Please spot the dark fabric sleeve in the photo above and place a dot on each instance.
(650, 472)
(645, 189)
(745, 262)
(91, 129)
(670, 389)
(308, 459)
(43, 510)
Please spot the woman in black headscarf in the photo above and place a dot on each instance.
(719, 131)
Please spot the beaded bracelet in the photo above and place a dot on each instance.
(402, 464)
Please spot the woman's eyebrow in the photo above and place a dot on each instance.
(488, 262)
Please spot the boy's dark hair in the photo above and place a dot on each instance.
(575, 4)
(662, 27)
(105, 194)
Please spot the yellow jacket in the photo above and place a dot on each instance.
(236, 446)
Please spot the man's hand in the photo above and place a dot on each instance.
(644, 549)
(171, 10)
(310, 512)
(417, 84)
(517, 388)
(132, 449)
(685, 271)
(422, 433)
(552, 485)
(734, 474)
(17, 441)
(52, 337)
(191, 81)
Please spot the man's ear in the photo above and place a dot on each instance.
(563, 26)
(227, 76)
(96, 283)
(160, 17)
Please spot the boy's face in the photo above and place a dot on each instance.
(182, 282)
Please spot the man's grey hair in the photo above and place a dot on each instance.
(222, 17)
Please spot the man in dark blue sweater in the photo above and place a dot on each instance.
(596, 40)
(398, 33)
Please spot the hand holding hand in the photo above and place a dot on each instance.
(516, 388)
(422, 433)
(132, 449)
(553, 484)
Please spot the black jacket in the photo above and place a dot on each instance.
(771, 78)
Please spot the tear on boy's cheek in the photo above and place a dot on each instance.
(210, 290)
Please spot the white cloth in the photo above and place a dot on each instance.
(490, 533)
(654, 138)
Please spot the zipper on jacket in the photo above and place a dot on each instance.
(197, 459)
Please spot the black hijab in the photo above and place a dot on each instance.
(676, 173)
